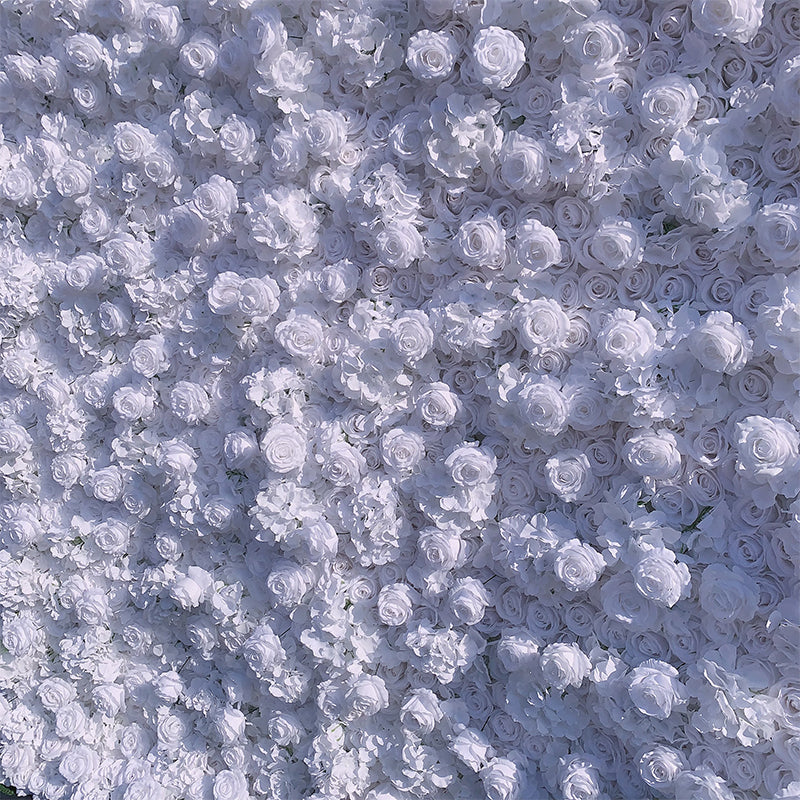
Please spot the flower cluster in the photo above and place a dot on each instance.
(400, 399)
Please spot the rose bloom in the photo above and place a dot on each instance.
(580, 779)
(737, 19)
(653, 454)
(421, 711)
(660, 765)
(537, 246)
(402, 449)
(524, 164)
(654, 689)
(768, 453)
(395, 604)
(468, 601)
(616, 244)
(667, 103)
(497, 57)
(431, 56)
(660, 579)
(562, 665)
(728, 594)
(778, 233)
(569, 475)
(578, 565)
(481, 242)
(284, 448)
(786, 98)
(541, 324)
(720, 344)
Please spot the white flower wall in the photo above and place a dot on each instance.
(400, 400)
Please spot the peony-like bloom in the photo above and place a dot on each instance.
(654, 688)
(498, 56)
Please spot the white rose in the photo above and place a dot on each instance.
(92, 606)
(431, 56)
(67, 469)
(200, 55)
(569, 475)
(524, 164)
(469, 466)
(147, 357)
(325, 134)
(537, 246)
(398, 244)
(85, 273)
(72, 178)
(468, 601)
(224, 295)
(481, 242)
(720, 344)
(660, 765)
(543, 406)
(106, 484)
(163, 24)
(230, 785)
(778, 233)
(229, 724)
(578, 565)
(580, 779)
(14, 439)
(667, 103)
(563, 665)
(85, 53)
(131, 404)
(501, 780)
(660, 578)
(596, 45)
(439, 549)
(654, 689)
(189, 402)
(55, 693)
(786, 97)
(288, 583)
(237, 137)
(158, 166)
(263, 651)
(411, 335)
(437, 405)
(395, 605)
(284, 448)
(337, 282)
(402, 449)
(728, 595)
(132, 142)
(216, 199)
(653, 455)
(616, 244)
(737, 19)
(19, 636)
(767, 452)
(627, 339)
(258, 297)
(498, 56)
(421, 710)
(300, 336)
(78, 763)
(517, 650)
(366, 697)
(541, 324)
(71, 721)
